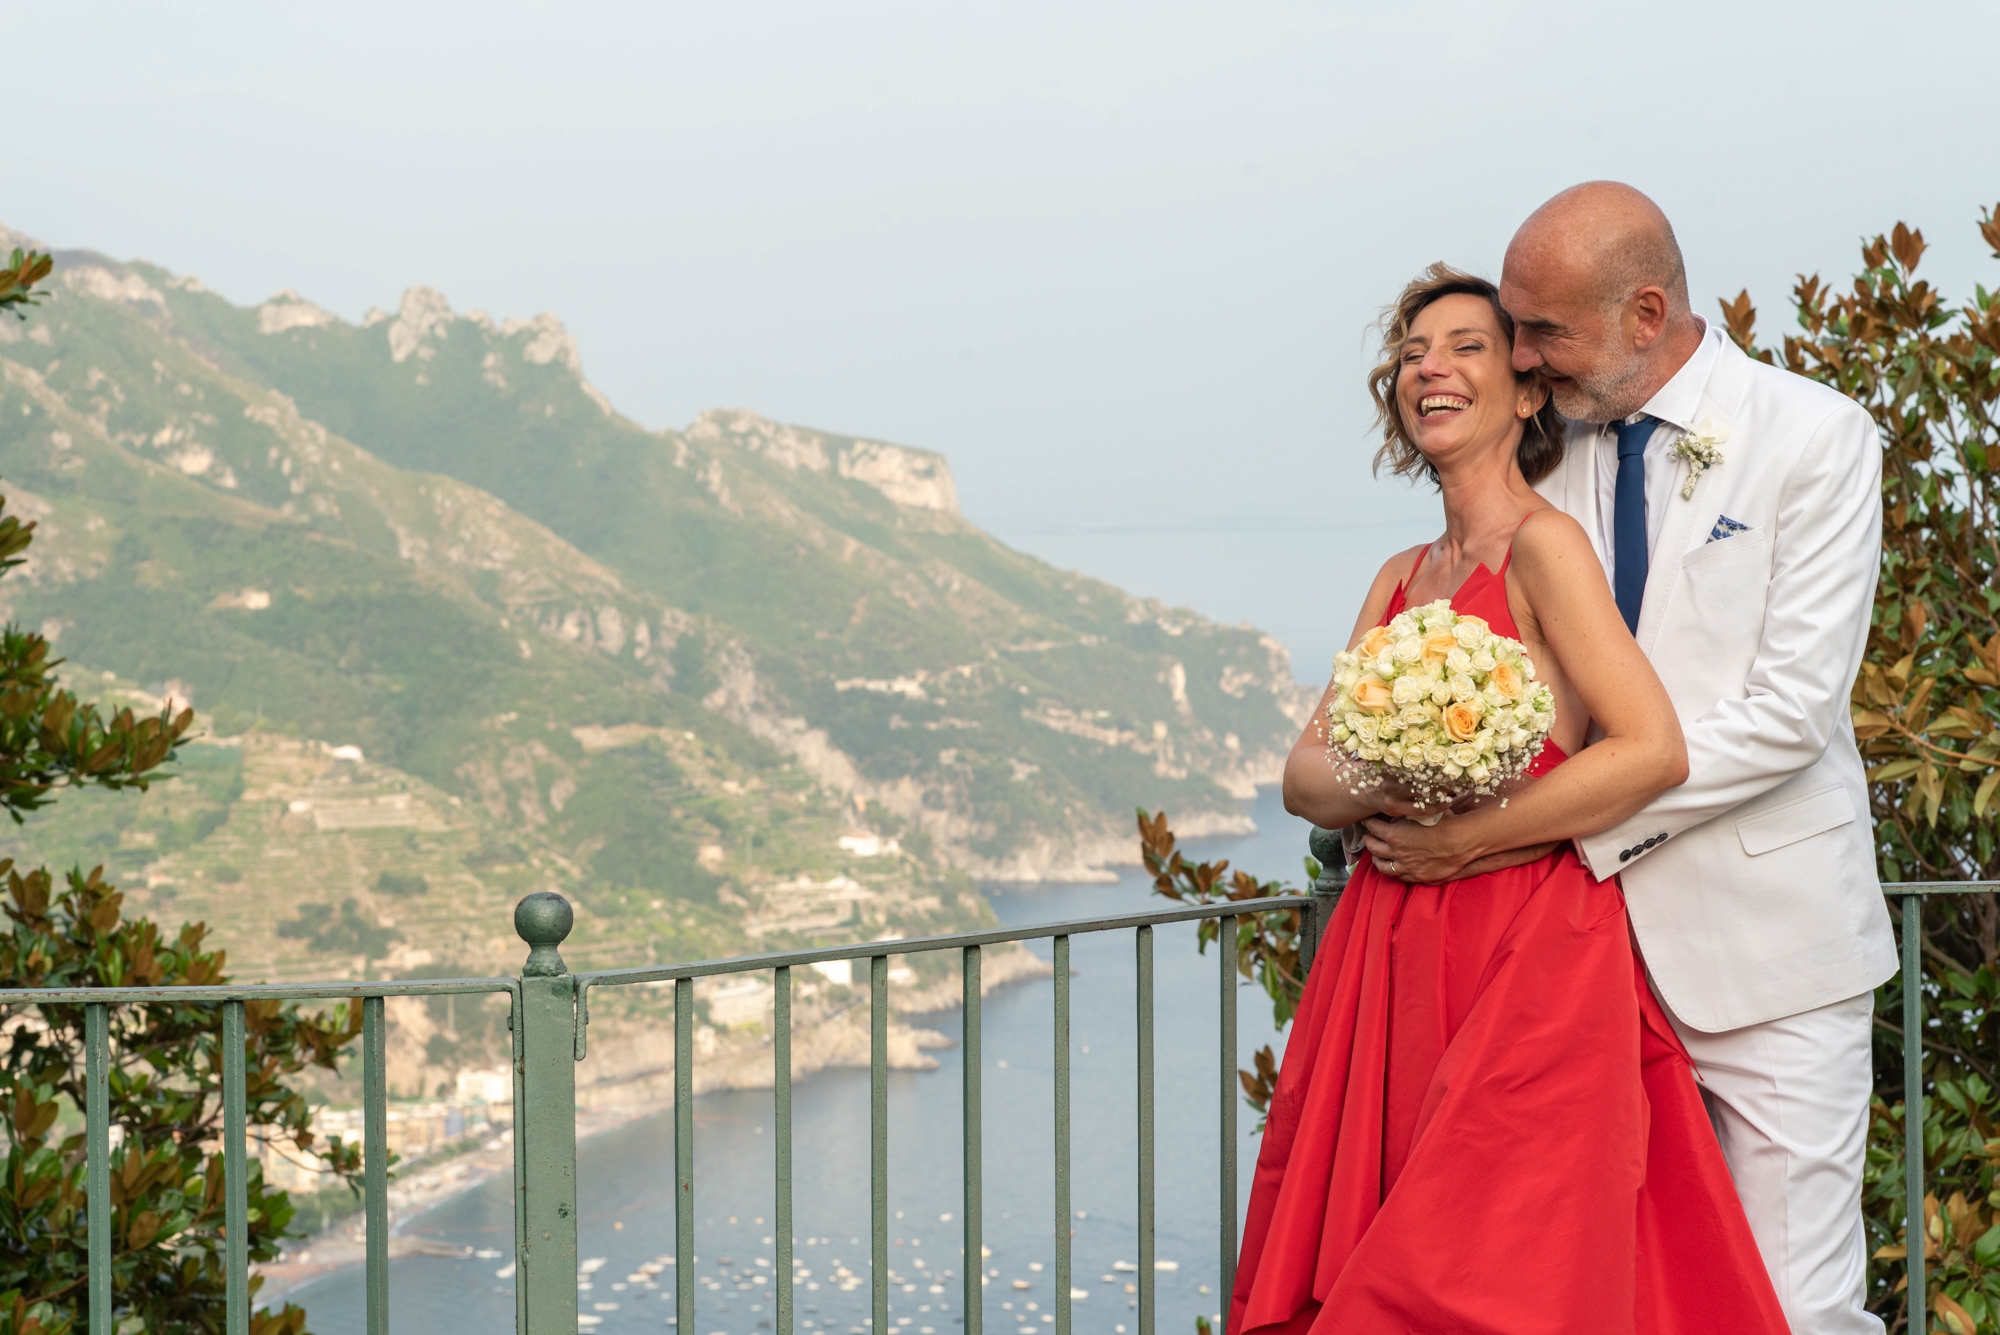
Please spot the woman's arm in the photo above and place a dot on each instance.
(1642, 754)
(1313, 791)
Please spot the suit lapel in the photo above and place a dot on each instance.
(1720, 398)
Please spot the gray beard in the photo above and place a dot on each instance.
(1605, 397)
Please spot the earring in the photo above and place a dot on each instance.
(1527, 411)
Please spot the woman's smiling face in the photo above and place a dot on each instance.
(1457, 387)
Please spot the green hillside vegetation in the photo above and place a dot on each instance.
(456, 630)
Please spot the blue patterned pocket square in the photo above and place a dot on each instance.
(1725, 527)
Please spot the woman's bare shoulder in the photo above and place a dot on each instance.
(1549, 536)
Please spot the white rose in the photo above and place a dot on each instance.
(1465, 754)
(1369, 729)
(1462, 687)
(1434, 754)
(1392, 754)
(1480, 773)
(1369, 751)
(1408, 649)
(1458, 661)
(1441, 691)
(1470, 634)
(1414, 715)
(1452, 770)
(1483, 661)
(1409, 690)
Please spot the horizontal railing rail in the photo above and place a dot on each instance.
(548, 1019)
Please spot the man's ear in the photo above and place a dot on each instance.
(1646, 317)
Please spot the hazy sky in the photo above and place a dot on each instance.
(1117, 260)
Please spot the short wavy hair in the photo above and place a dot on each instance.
(1541, 447)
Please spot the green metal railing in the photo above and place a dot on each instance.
(549, 1019)
(546, 1311)
(549, 1015)
(97, 1003)
(1912, 895)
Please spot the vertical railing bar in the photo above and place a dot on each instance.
(1225, 941)
(516, 1024)
(684, 1154)
(878, 1138)
(973, 1150)
(375, 1160)
(1913, 1104)
(1063, 1224)
(781, 1126)
(235, 1176)
(1146, 1238)
(97, 1158)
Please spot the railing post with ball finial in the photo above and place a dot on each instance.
(1329, 851)
(545, 1120)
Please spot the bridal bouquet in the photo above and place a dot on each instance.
(1439, 703)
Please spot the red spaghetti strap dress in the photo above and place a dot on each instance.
(1485, 1124)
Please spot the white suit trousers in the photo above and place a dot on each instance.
(1789, 1100)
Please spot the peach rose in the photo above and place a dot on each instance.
(1506, 679)
(1461, 722)
(1374, 642)
(1439, 644)
(1371, 695)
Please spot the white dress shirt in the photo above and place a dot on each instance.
(1676, 406)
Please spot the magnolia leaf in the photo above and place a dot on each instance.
(1953, 1317)
(1869, 724)
(1984, 797)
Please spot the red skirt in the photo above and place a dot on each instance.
(1485, 1123)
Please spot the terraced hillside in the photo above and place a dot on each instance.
(456, 630)
(428, 536)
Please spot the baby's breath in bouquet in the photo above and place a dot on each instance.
(1438, 704)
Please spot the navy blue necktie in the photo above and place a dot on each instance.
(1628, 521)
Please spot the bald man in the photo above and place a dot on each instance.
(1737, 510)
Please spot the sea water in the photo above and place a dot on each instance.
(625, 1177)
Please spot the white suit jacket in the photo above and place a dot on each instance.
(1752, 887)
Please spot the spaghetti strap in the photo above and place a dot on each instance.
(1508, 560)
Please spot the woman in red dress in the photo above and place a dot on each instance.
(1484, 1122)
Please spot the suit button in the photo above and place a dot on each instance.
(1625, 856)
(1650, 842)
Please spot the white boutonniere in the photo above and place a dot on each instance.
(1701, 449)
